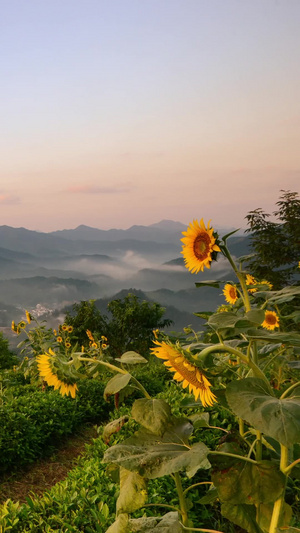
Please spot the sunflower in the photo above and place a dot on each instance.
(271, 320)
(28, 316)
(89, 334)
(199, 246)
(189, 374)
(230, 293)
(47, 371)
(250, 280)
(265, 282)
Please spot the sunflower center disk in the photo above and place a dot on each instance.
(232, 293)
(201, 246)
(271, 320)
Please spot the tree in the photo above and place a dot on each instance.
(129, 326)
(132, 324)
(276, 244)
(7, 358)
(85, 316)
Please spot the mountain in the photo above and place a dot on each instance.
(55, 269)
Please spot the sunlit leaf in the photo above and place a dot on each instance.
(121, 525)
(117, 383)
(152, 414)
(154, 457)
(169, 523)
(266, 511)
(133, 492)
(131, 358)
(113, 427)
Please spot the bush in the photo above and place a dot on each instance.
(32, 424)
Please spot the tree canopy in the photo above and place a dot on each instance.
(276, 243)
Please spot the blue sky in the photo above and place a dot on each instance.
(122, 112)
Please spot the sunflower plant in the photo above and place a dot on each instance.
(245, 364)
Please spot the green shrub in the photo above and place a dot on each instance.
(33, 423)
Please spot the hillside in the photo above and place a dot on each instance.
(53, 270)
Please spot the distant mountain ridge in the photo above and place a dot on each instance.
(52, 270)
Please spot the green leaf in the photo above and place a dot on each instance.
(247, 483)
(131, 358)
(169, 523)
(224, 239)
(113, 427)
(152, 456)
(242, 515)
(210, 496)
(200, 420)
(204, 314)
(133, 492)
(121, 525)
(287, 530)
(223, 320)
(284, 295)
(209, 283)
(256, 315)
(250, 399)
(292, 338)
(266, 511)
(153, 414)
(117, 383)
(269, 348)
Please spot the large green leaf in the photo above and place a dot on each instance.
(248, 483)
(169, 523)
(242, 515)
(131, 358)
(250, 399)
(133, 492)
(153, 414)
(284, 295)
(117, 383)
(287, 530)
(265, 515)
(223, 320)
(229, 320)
(292, 338)
(121, 525)
(256, 315)
(152, 456)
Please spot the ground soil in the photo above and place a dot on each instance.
(42, 475)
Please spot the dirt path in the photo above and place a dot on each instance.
(42, 475)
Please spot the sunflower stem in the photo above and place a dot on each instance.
(225, 348)
(239, 457)
(182, 501)
(117, 369)
(240, 277)
(277, 509)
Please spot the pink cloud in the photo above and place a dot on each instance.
(9, 199)
(93, 189)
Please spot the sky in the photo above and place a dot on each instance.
(123, 112)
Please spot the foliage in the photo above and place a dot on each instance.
(33, 422)
(84, 501)
(7, 358)
(250, 359)
(129, 326)
(276, 245)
